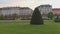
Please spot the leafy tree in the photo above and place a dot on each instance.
(36, 17)
(50, 15)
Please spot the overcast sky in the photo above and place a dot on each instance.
(29, 3)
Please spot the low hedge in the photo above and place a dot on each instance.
(57, 20)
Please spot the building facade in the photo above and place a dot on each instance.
(45, 9)
(21, 11)
(10, 10)
(17, 10)
(56, 12)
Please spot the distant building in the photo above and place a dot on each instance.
(45, 9)
(22, 11)
(17, 10)
(56, 12)
(25, 11)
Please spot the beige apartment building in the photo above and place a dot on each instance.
(17, 10)
(22, 11)
(56, 12)
(45, 9)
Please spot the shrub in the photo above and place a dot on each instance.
(50, 15)
(57, 19)
(36, 17)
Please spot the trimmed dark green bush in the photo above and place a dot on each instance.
(57, 19)
(36, 17)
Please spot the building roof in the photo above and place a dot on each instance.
(6, 8)
(45, 5)
(55, 8)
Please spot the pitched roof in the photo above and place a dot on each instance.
(6, 8)
(45, 5)
(55, 8)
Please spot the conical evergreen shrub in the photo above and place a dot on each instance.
(36, 17)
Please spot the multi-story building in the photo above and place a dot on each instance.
(22, 11)
(10, 10)
(45, 9)
(17, 10)
(56, 12)
(25, 11)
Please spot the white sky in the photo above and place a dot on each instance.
(29, 3)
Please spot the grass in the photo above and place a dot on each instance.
(23, 27)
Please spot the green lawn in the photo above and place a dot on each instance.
(23, 27)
